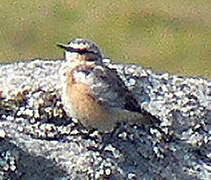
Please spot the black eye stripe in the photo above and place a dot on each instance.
(80, 51)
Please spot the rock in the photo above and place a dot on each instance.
(39, 141)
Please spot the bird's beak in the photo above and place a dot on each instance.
(63, 46)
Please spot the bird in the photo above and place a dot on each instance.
(92, 92)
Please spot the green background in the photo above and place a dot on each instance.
(167, 35)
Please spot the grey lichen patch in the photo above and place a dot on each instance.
(39, 140)
(8, 164)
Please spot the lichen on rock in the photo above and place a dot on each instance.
(40, 141)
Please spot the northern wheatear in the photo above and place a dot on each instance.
(93, 93)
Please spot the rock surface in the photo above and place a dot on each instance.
(39, 141)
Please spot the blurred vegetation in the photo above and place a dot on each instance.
(173, 36)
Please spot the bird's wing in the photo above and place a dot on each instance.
(111, 91)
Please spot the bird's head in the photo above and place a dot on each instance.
(82, 50)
